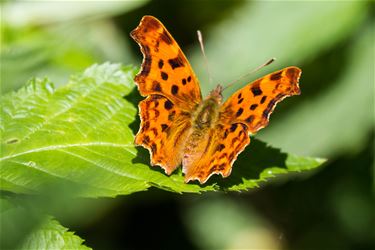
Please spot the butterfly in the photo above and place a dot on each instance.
(179, 127)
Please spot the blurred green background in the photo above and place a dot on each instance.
(332, 42)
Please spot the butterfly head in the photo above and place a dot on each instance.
(216, 93)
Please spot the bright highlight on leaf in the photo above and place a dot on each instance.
(79, 135)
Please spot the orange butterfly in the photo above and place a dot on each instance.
(178, 126)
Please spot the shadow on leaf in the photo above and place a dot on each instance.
(249, 165)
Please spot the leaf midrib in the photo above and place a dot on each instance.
(64, 146)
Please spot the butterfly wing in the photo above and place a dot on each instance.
(168, 80)
(163, 129)
(244, 113)
(253, 104)
(226, 143)
(165, 70)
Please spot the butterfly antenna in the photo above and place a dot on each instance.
(251, 72)
(200, 39)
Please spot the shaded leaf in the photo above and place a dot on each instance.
(24, 229)
(51, 235)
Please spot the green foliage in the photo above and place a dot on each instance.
(45, 232)
(51, 235)
(79, 134)
(49, 43)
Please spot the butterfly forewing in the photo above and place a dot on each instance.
(165, 69)
(253, 104)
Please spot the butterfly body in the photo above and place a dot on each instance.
(206, 113)
(178, 127)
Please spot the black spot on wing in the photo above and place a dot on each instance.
(161, 63)
(150, 23)
(255, 88)
(221, 166)
(276, 76)
(174, 89)
(164, 127)
(157, 113)
(166, 37)
(146, 139)
(233, 127)
(292, 73)
(168, 105)
(156, 86)
(176, 62)
(146, 67)
(253, 107)
(250, 119)
(164, 76)
(263, 99)
(220, 147)
(225, 133)
(239, 112)
(155, 131)
(146, 125)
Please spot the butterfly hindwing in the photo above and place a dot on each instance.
(253, 104)
(226, 143)
(163, 130)
(165, 69)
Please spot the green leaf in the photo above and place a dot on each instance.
(52, 235)
(58, 51)
(56, 38)
(80, 135)
(24, 229)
